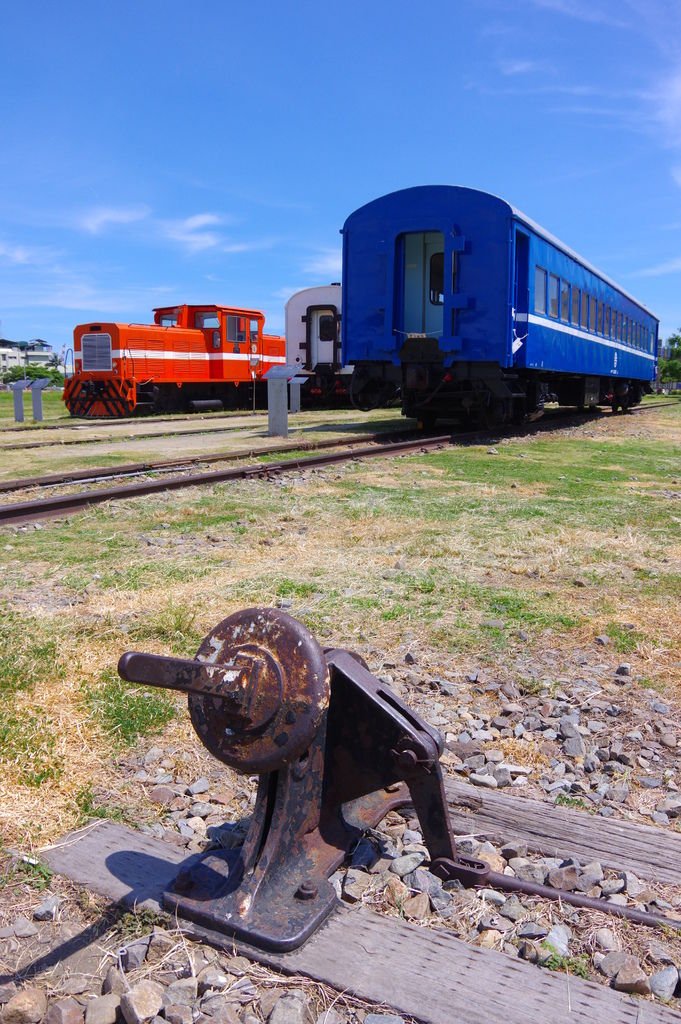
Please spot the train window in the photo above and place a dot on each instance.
(585, 311)
(167, 319)
(600, 317)
(564, 301)
(253, 330)
(619, 326)
(437, 279)
(327, 327)
(592, 314)
(575, 305)
(539, 290)
(236, 328)
(554, 285)
(203, 320)
(606, 321)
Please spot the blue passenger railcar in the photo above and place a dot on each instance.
(473, 310)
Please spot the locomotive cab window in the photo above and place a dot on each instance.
(205, 320)
(168, 320)
(437, 280)
(253, 330)
(236, 328)
(539, 290)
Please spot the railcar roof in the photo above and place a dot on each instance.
(209, 305)
(543, 233)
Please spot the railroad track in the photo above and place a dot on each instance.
(126, 437)
(431, 974)
(163, 465)
(126, 420)
(380, 445)
(28, 445)
(66, 504)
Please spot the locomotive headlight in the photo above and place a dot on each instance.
(114, 365)
(78, 365)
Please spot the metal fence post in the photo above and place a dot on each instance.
(37, 388)
(18, 387)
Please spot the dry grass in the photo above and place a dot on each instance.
(387, 556)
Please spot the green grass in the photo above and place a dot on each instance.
(126, 712)
(27, 746)
(54, 410)
(89, 807)
(624, 640)
(295, 588)
(29, 651)
(27, 870)
(576, 802)
(175, 626)
(578, 966)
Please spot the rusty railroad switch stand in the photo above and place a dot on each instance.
(335, 750)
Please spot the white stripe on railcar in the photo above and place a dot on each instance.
(554, 325)
(141, 353)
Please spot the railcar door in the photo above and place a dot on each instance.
(521, 298)
(322, 325)
(422, 305)
(208, 321)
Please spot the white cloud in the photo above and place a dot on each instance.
(667, 101)
(14, 253)
(254, 246)
(520, 67)
(72, 292)
(590, 12)
(95, 220)
(661, 269)
(284, 293)
(326, 263)
(192, 232)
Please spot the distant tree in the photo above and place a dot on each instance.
(31, 373)
(670, 369)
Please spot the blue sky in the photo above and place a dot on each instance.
(156, 151)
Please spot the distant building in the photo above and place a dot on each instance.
(35, 352)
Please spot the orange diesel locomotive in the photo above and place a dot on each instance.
(191, 357)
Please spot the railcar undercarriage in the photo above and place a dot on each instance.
(485, 394)
(114, 398)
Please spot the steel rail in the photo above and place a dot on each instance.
(28, 511)
(199, 432)
(133, 468)
(126, 437)
(106, 421)
(65, 504)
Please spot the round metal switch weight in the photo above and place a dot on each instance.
(279, 678)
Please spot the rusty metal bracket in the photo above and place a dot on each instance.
(336, 750)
